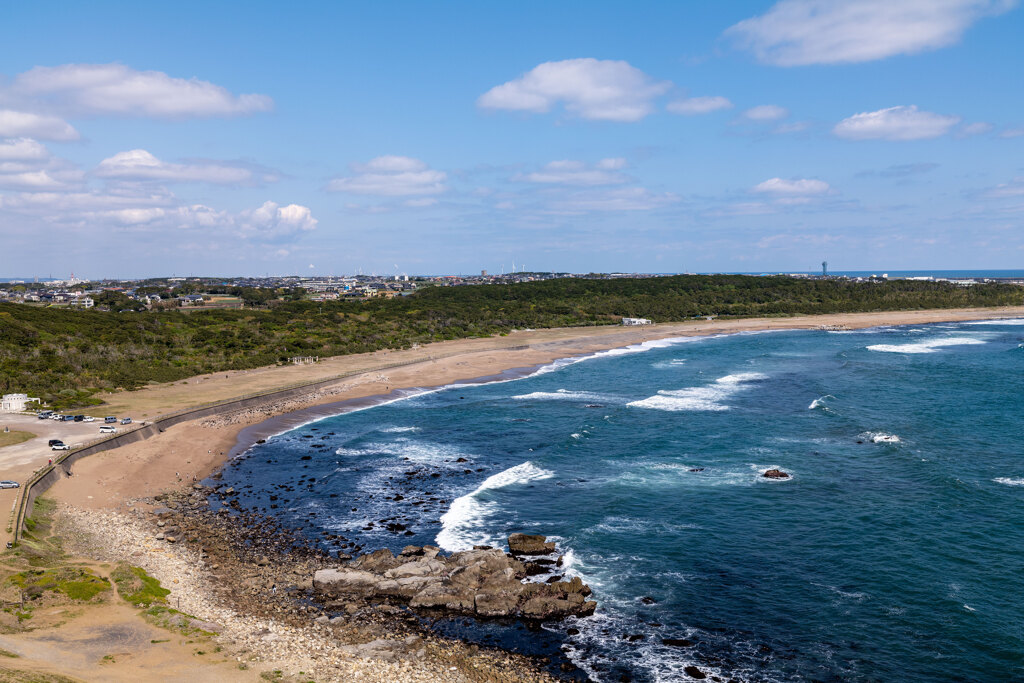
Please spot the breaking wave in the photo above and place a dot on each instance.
(927, 346)
(706, 398)
(460, 525)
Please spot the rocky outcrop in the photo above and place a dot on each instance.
(775, 474)
(483, 582)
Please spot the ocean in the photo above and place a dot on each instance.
(893, 552)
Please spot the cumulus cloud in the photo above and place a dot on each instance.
(391, 176)
(604, 172)
(699, 105)
(895, 123)
(766, 112)
(273, 220)
(596, 89)
(139, 165)
(120, 90)
(801, 32)
(22, 149)
(795, 187)
(16, 124)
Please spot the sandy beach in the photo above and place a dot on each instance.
(105, 485)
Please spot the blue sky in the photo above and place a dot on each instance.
(139, 139)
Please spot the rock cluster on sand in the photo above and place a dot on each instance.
(485, 582)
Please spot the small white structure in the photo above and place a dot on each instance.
(630, 322)
(15, 403)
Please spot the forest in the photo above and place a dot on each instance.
(66, 356)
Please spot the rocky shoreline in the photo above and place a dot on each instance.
(252, 582)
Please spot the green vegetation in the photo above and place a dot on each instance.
(18, 676)
(76, 583)
(65, 356)
(14, 437)
(138, 587)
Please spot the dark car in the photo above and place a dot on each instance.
(79, 418)
(109, 419)
(54, 442)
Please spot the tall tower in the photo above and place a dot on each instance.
(824, 268)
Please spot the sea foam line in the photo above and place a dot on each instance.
(927, 346)
(459, 523)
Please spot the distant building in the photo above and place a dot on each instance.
(82, 302)
(15, 403)
(630, 322)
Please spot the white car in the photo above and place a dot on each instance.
(107, 429)
(88, 418)
(60, 447)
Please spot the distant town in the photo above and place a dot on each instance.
(239, 292)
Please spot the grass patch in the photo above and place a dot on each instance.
(19, 676)
(14, 437)
(76, 583)
(8, 653)
(173, 620)
(138, 587)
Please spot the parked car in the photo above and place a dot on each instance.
(69, 418)
(8, 484)
(126, 421)
(79, 418)
(89, 418)
(54, 442)
(57, 416)
(110, 419)
(45, 414)
(60, 447)
(108, 429)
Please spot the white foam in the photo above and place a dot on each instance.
(820, 402)
(1009, 481)
(416, 451)
(399, 430)
(927, 346)
(881, 437)
(997, 321)
(706, 398)
(563, 395)
(460, 524)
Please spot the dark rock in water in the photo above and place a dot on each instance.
(595, 405)
(634, 637)
(775, 474)
(694, 672)
(461, 460)
(697, 469)
(677, 642)
(553, 579)
(261, 441)
(572, 631)
(530, 544)
(860, 441)
(648, 600)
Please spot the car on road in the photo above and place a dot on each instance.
(54, 442)
(45, 414)
(108, 429)
(60, 447)
(68, 418)
(126, 421)
(110, 419)
(79, 418)
(8, 484)
(89, 418)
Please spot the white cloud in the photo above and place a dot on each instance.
(138, 164)
(30, 180)
(16, 124)
(22, 149)
(1012, 133)
(796, 187)
(699, 105)
(420, 203)
(273, 220)
(766, 112)
(979, 128)
(567, 172)
(801, 32)
(618, 199)
(1014, 188)
(391, 176)
(602, 90)
(121, 90)
(895, 123)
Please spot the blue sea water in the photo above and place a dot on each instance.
(894, 552)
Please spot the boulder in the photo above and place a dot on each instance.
(530, 544)
(336, 582)
(775, 474)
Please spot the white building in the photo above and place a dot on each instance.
(629, 322)
(15, 403)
